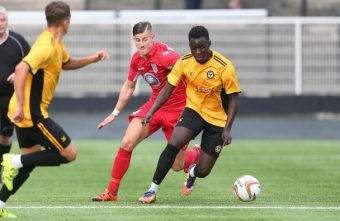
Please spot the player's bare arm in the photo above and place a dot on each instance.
(162, 97)
(21, 72)
(124, 96)
(74, 63)
(232, 110)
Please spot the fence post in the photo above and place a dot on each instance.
(298, 55)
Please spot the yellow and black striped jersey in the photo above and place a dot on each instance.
(205, 85)
(45, 60)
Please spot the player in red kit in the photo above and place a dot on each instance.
(153, 61)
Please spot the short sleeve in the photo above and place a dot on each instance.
(176, 74)
(229, 78)
(133, 73)
(38, 57)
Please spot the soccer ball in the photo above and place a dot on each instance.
(246, 188)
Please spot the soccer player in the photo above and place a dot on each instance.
(13, 48)
(153, 61)
(36, 78)
(212, 101)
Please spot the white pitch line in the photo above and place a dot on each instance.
(182, 207)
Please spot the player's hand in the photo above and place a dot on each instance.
(10, 78)
(226, 137)
(146, 119)
(101, 55)
(18, 115)
(106, 121)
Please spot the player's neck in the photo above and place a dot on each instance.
(57, 32)
(4, 36)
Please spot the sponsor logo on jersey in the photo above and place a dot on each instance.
(151, 79)
(203, 90)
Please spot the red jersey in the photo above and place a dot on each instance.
(154, 70)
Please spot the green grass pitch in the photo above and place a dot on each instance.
(300, 180)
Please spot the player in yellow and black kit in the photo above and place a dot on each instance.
(212, 101)
(36, 78)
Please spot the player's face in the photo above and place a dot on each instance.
(3, 23)
(200, 49)
(144, 42)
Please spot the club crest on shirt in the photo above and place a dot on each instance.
(151, 79)
(218, 149)
(210, 74)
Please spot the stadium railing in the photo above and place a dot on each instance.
(273, 55)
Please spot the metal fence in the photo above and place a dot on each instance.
(273, 56)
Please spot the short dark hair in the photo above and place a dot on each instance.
(198, 32)
(56, 12)
(140, 27)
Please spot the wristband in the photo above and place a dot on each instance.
(115, 112)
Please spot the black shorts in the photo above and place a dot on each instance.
(211, 141)
(47, 133)
(6, 126)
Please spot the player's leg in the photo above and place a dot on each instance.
(187, 128)
(185, 157)
(5, 144)
(211, 148)
(180, 137)
(134, 134)
(47, 133)
(23, 174)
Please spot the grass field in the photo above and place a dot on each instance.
(300, 180)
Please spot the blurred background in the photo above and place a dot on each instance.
(286, 52)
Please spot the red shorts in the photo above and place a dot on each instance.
(164, 118)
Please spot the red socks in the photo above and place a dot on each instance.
(119, 168)
(190, 157)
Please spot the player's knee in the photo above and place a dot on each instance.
(72, 156)
(202, 172)
(177, 166)
(5, 140)
(70, 153)
(127, 144)
(176, 144)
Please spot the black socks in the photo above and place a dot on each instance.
(165, 162)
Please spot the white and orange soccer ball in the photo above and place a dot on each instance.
(247, 188)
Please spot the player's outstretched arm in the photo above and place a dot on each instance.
(124, 96)
(162, 97)
(74, 63)
(111, 117)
